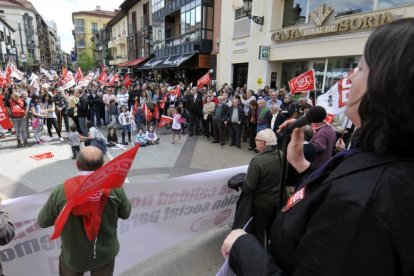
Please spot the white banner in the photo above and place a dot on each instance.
(164, 213)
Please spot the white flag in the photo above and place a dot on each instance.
(33, 78)
(47, 74)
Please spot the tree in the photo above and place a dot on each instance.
(86, 61)
(29, 62)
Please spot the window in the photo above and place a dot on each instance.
(295, 13)
(385, 4)
(239, 14)
(79, 28)
(94, 28)
(157, 5)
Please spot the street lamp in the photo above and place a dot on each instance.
(247, 7)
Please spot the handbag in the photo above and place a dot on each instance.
(35, 122)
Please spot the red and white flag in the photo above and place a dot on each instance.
(335, 99)
(47, 74)
(112, 79)
(85, 81)
(303, 82)
(103, 78)
(176, 92)
(147, 112)
(69, 81)
(127, 81)
(164, 100)
(16, 73)
(109, 176)
(165, 120)
(204, 80)
(78, 75)
(5, 121)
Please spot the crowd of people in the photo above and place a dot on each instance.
(132, 113)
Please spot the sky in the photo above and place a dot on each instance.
(60, 11)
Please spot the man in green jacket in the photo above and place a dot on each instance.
(262, 181)
(89, 237)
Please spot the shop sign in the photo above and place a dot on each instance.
(264, 52)
(344, 25)
(259, 81)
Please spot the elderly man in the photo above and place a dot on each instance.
(61, 105)
(234, 120)
(194, 107)
(89, 237)
(273, 99)
(219, 116)
(262, 181)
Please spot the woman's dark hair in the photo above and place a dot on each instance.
(387, 124)
(253, 103)
(44, 98)
(89, 124)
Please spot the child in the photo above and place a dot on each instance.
(74, 140)
(140, 139)
(113, 113)
(151, 136)
(112, 138)
(176, 126)
(125, 121)
(139, 115)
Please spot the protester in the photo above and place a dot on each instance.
(151, 136)
(323, 141)
(38, 116)
(208, 109)
(83, 112)
(141, 139)
(6, 230)
(277, 119)
(219, 116)
(95, 138)
(87, 246)
(234, 120)
(194, 106)
(18, 112)
(74, 141)
(125, 119)
(61, 106)
(73, 108)
(252, 124)
(353, 215)
(264, 115)
(176, 126)
(112, 138)
(49, 106)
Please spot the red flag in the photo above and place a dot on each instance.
(113, 79)
(127, 81)
(303, 82)
(164, 100)
(42, 156)
(176, 92)
(109, 176)
(156, 112)
(5, 121)
(204, 80)
(8, 73)
(78, 75)
(103, 78)
(165, 120)
(147, 112)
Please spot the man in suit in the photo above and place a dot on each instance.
(277, 119)
(194, 106)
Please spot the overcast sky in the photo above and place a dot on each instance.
(60, 11)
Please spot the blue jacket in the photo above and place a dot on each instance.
(241, 114)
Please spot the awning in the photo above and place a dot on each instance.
(174, 61)
(123, 64)
(131, 63)
(151, 63)
(136, 62)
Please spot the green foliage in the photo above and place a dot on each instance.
(86, 61)
(29, 62)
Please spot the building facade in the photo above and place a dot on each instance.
(117, 45)
(23, 20)
(298, 35)
(101, 51)
(8, 50)
(182, 35)
(87, 24)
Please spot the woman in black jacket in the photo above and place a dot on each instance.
(353, 216)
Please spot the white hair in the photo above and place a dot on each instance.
(268, 136)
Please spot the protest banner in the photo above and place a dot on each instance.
(164, 214)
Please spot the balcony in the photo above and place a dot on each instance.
(169, 8)
(79, 30)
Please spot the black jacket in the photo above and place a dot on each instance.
(356, 221)
(61, 102)
(240, 114)
(280, 119)
(194, 103)
(83, 108)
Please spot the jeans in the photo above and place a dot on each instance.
(75, 150)
(107, 119)
(37, 132)
(82, 124)
(20, 127)
(95, 113)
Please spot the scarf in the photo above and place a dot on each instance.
(263, 112)
(91, 210)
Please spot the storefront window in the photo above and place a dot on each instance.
(385, 4)
(294, 12)
(344, 7)
(337, 67)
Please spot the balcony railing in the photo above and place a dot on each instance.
(121, 57)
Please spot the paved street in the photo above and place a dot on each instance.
(21, 175)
